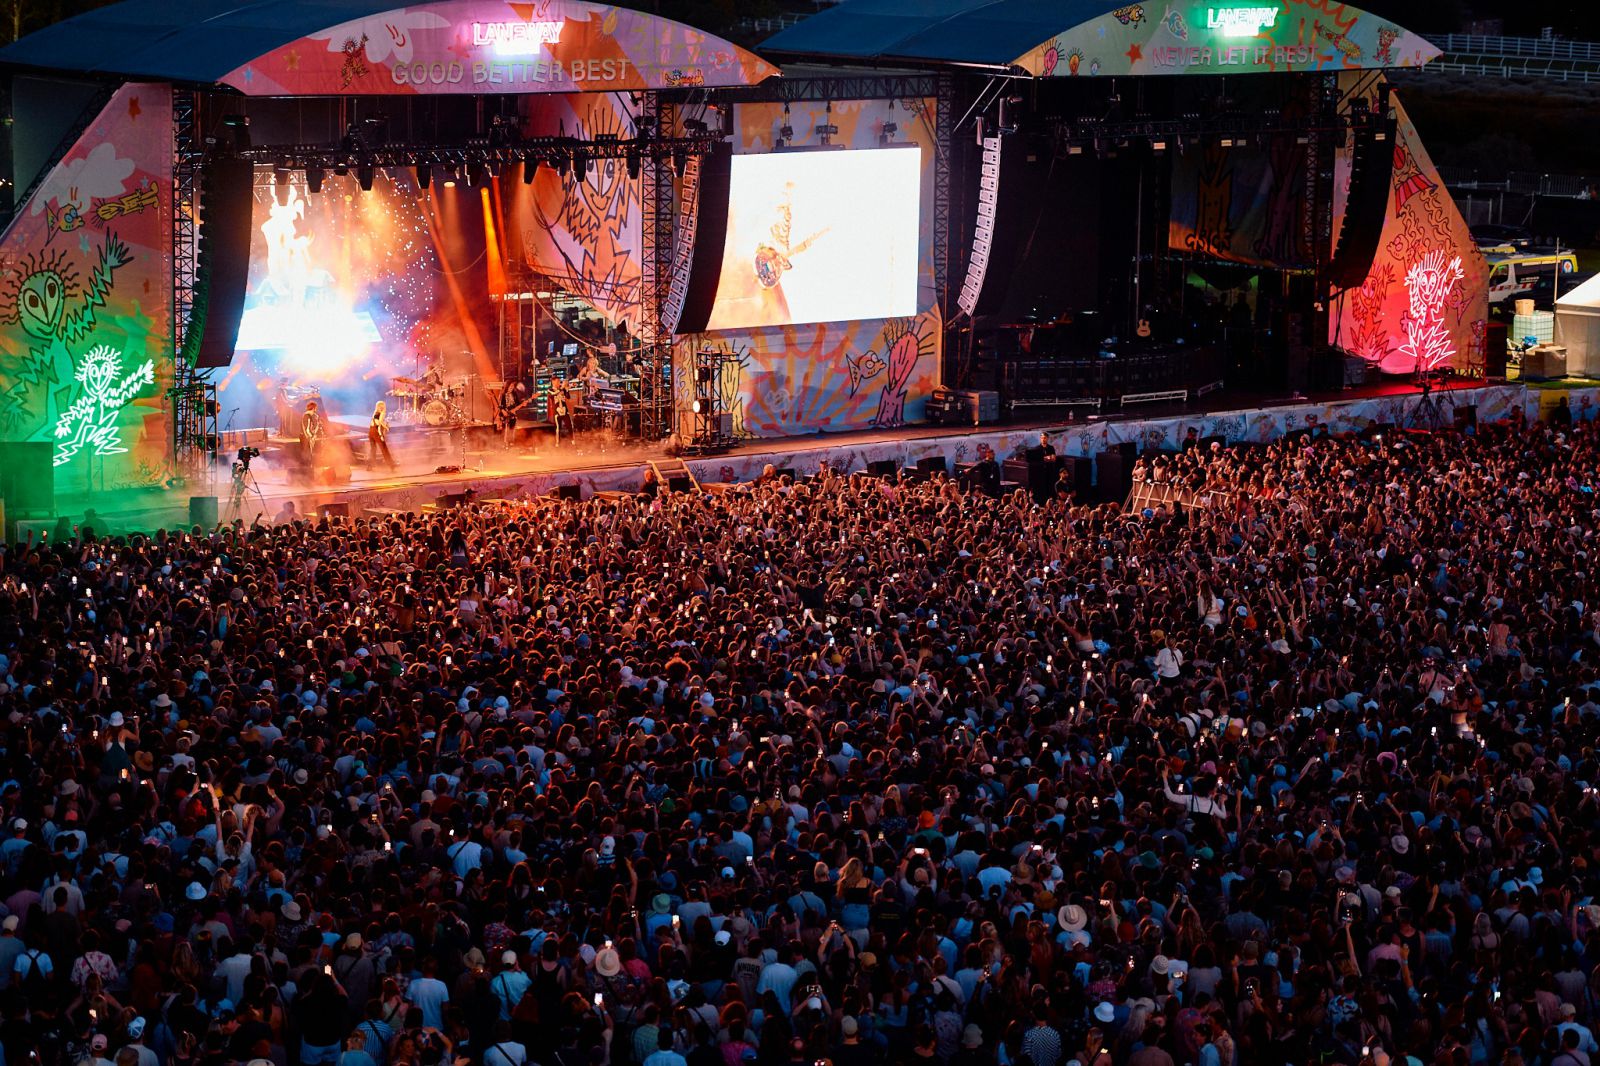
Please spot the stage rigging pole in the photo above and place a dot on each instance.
(656, 199)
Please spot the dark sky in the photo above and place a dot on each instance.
(1569, 18)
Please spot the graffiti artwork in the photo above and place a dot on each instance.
(1430, 282)
(105, 391)
(1381, 321)
(85, 300)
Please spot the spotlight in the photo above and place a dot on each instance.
(559, 161)
(314, 177)
(364, 175)
(451, 176)
(634, 164)
(424, 177)
(530, 167)
(697, 408)
(280, 183)
(580, 163)
(889, 130)
(477, 174)
(680, 160)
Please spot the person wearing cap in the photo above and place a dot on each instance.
(11, 945)
(509, 985)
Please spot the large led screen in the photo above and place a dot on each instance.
(820, 236)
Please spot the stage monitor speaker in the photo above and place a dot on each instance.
(1129, 450)
(27, 480)
(1081, 475)
(930, 465)
(711, 233)
(203, 511)
(334, 510)
(883, 468)
(679, 483)
(1114, 476)
(226, 204)
(568, 492)
(1371, 168)
(786, 472)
(450, 500)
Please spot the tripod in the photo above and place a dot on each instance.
(1426, 414)
(244, 483)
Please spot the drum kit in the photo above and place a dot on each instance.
(430, 401)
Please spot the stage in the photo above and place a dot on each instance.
(491, 472)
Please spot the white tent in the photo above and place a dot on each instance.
(1578, 328)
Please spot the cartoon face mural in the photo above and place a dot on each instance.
(79, 300)
(581, 234)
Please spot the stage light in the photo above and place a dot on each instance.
(280, 183)
(1158, 146)
(451, 176)
(634, 164)
(450, 183)
(680, 160)
(314, 177)
(477, 174)
(697, 408)
(580, 163)
(364, 176)
(559, 161)
(530, 167)
(424, 178)
(886, 137)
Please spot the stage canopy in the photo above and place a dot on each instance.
(370, 47)
(1073, 38)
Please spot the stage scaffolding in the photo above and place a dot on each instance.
(656, 200)
(193, 394)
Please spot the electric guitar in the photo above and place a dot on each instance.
(771, 264)
(506, 414)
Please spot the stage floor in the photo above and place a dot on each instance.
(454, 463)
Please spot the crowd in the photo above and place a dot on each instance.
(825, 773)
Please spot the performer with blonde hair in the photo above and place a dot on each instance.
(378, 435)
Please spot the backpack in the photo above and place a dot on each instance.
(35, 983)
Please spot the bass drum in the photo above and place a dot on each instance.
(435, 413)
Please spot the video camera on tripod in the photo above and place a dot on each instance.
(241, 461)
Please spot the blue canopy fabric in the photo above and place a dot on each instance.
(186, 41)
(973, 32)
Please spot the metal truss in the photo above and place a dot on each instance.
(194, 397)
(557, 151)
(656, 201)
(943, 149)
(794, 90)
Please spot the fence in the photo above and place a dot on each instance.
(1518, 182)
(1462, 44)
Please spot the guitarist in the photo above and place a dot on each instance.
(312, 431)
(560, 409)
(512, 401)
(378, 435)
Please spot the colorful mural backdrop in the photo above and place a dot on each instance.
(1295, 36)
(1246, 205)
(85, 294)
(832, 377)
(581, 234)
(499, 46)
(1425, 300)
